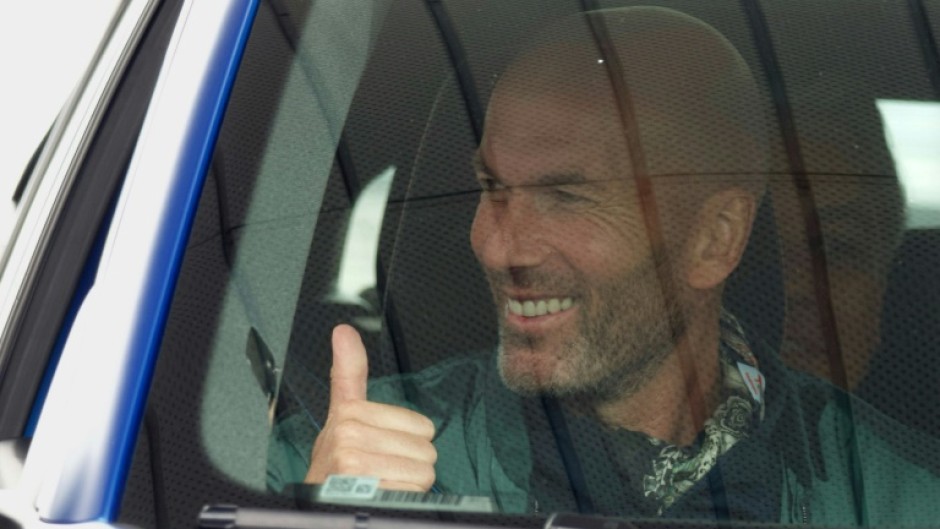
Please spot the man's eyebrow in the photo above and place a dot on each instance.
(560, 179)
(550, 179)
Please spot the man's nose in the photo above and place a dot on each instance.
(512, 232)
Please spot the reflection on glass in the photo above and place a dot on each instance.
(912, 129)
(360, 251)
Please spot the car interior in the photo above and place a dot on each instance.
(349, 138)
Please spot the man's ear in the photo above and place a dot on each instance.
(718, 237)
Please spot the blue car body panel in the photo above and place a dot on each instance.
(174, 237)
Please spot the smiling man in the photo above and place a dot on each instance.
(621, 167)
(627, 244)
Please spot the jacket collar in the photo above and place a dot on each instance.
(795, 403)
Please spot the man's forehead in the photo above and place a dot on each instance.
(551, 133)
(539, 175)
(686, 94)
(553, 113)
(548, 160)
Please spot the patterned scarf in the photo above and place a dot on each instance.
(676, 469)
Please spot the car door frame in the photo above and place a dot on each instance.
(110, 250)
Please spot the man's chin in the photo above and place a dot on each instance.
(530, 373)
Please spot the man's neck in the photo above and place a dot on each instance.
(674, 405)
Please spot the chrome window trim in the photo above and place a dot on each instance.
(56, 169)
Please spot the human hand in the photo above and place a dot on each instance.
(367, 438)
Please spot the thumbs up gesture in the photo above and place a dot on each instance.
(368, 438)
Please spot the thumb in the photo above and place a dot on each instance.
(350, 371)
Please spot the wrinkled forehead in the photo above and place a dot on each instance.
(528, 135)
(662, 82)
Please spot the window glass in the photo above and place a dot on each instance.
(627, 260)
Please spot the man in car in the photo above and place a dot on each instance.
(622, 166)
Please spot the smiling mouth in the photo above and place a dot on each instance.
(531, 308)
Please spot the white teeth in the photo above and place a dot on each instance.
(530, 308)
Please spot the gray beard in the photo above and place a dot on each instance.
(618, 349)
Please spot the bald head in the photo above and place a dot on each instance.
(695, 107)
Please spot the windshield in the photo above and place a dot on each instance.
(645, 261)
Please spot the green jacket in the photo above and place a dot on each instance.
(819, 456)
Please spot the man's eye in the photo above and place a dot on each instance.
(488, 184)
(492, 189)
(566, 196)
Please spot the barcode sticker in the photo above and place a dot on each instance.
(364, 491)
(340, 487)
(417, 498)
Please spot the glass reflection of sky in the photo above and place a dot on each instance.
(912, 131)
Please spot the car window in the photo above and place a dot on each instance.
(663, 260)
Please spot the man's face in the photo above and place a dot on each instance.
(560, 234)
